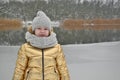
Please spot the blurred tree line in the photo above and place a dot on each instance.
(17, 37)
(86, 36)
(60, 10)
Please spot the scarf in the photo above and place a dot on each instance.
(41, 42)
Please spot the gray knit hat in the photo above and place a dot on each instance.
(41, 20)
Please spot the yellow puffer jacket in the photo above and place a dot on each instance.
(29, 64)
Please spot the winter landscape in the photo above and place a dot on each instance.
(97, 61)
(92, 50)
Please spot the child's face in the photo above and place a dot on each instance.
(42, 32)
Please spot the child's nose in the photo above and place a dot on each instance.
(42, 30)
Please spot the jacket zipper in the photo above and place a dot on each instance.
(27, 75)
(42, 64)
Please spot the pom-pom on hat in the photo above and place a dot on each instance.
(41, 20)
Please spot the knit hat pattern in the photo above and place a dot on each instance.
(41, 20)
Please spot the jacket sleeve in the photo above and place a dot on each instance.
(21, 64)
(62, 66)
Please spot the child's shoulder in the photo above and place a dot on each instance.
(59, 46)
(25, 45)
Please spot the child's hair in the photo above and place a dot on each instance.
(29, 29)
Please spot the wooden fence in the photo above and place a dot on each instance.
(95, 24)
(10, 24)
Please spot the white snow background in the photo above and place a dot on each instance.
(96, 61)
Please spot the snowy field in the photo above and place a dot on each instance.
(97, 61)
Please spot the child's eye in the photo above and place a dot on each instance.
(45, 29)
(39, 28)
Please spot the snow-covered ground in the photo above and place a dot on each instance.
(97, 61)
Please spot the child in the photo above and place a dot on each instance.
(41, 57)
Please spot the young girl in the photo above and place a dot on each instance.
(41, 57)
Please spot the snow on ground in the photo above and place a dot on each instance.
(97, 61)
